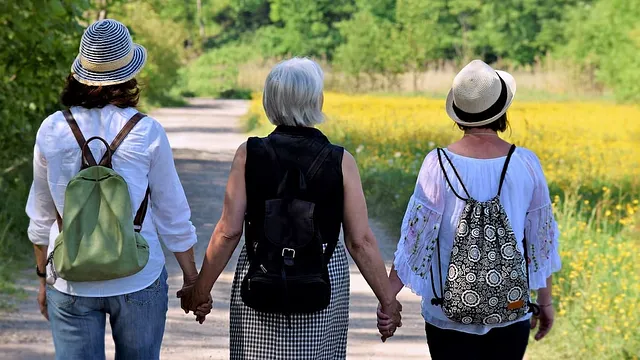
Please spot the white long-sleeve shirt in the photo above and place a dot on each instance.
(434, 212)
(144, 158)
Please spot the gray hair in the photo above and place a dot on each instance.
(293, 93)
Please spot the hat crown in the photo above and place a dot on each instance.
(476, 87)
(105, 41)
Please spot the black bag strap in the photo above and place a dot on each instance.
(318, 161)
(142, 211)
(441, 151)
(504, 168)
(272, 154)
(437, 300)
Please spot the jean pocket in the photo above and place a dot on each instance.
(59, 299)
(146, 295)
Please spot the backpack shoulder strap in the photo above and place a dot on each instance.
(126, 129)
(142, 211)
(504, 168)
(75, 129)
(446, 177)
(272, 154)
(318, 161)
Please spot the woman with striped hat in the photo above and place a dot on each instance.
(101, 95)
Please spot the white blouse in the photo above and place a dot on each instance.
(145, 157)
(434, 211)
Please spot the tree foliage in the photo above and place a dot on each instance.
(38, 43)
(606, 37)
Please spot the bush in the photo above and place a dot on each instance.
(164, 40)
(215, 74)
(38, 43)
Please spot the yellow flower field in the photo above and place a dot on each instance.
(591, 157)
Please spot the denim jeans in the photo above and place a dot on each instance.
(137, 322)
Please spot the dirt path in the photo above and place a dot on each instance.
(204, 137)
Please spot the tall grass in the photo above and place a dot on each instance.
(548, 79)
(594, 182)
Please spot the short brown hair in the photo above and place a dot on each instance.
(500, 125)
(122, 95)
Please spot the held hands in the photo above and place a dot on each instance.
(389, 319)
(191, 300)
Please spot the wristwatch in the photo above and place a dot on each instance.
(41, 274)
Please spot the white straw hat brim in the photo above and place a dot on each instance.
(511, 92)
(118, 76)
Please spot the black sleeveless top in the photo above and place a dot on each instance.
(295, 147)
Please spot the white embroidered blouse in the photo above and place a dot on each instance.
(433, 212)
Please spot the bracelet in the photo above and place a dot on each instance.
(41, 274)
(545, 305)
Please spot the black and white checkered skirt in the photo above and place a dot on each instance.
(318, 336)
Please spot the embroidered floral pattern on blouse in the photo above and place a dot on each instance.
(420, 230)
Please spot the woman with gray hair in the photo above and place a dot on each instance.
(292, 191)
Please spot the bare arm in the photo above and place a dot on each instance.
(187, 262)
(359, 238)
(228, 231)
(396, 283)
(545, 294)
(40, 252)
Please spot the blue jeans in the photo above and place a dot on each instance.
(137, 322)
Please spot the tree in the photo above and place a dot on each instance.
(419, 34)
(372, 46)
(604, 37)
(309, 27)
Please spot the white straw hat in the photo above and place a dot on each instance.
(108, 55)
(480, 94)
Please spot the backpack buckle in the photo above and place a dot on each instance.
(137, 228)
(290, 251)
(288, 254)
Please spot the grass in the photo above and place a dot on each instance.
(548, 80)
(594, 185)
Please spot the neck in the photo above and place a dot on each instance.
(481, 132)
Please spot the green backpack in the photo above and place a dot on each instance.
(98, 238)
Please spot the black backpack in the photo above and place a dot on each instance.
(288, 271)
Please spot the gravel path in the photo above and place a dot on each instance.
(204, 137)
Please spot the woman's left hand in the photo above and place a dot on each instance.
(388, 323)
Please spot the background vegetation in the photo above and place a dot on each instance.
(595, 196)
(558, 50)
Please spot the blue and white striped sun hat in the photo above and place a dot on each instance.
(107, 56)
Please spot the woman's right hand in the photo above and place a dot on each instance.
(545, 320)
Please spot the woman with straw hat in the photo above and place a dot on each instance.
(479, 231)
(101, 95)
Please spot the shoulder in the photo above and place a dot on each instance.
(51, 127)
(348, 160)
(431, 164)
(147, 123)
(528, 157)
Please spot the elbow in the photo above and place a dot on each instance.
(228, 236)
(361, 243)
